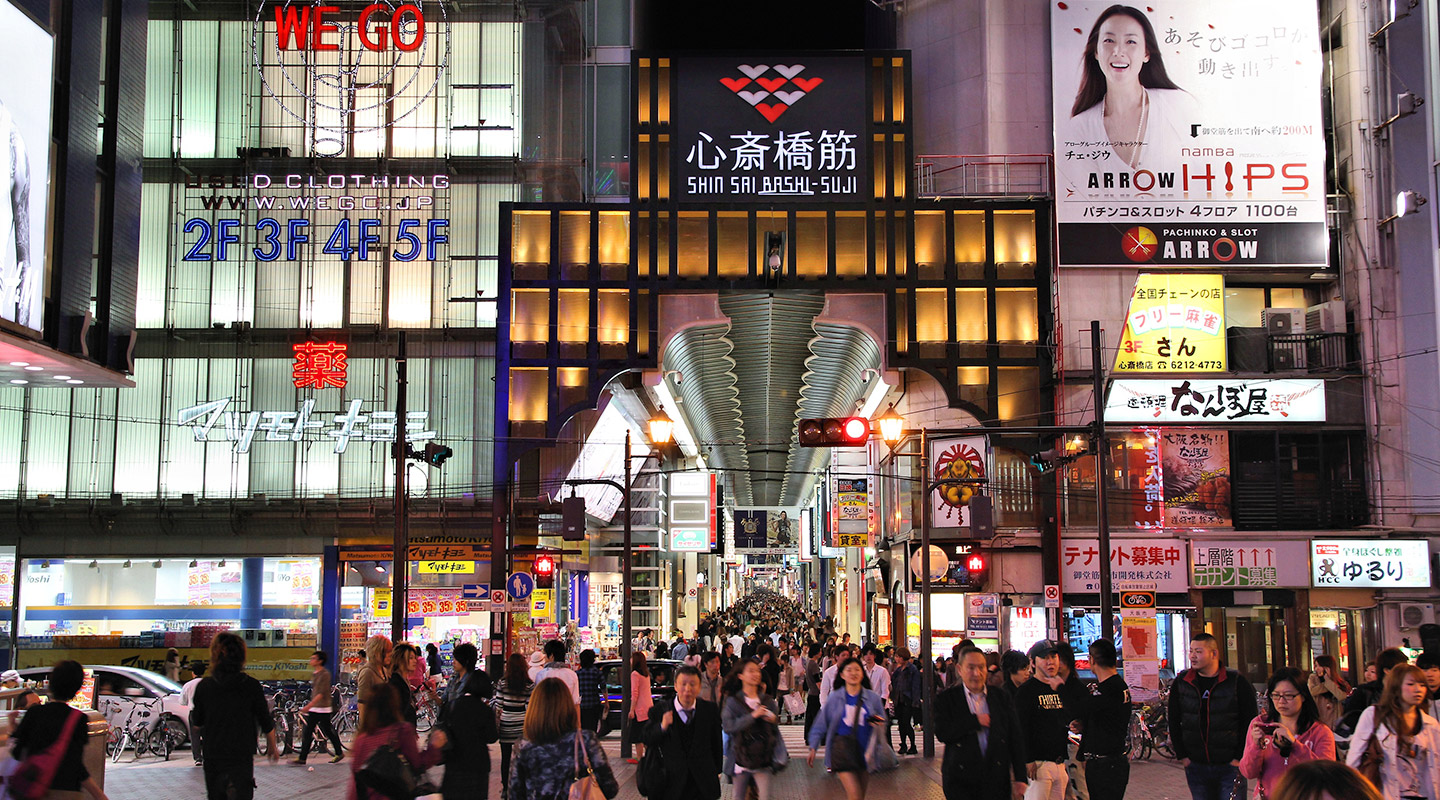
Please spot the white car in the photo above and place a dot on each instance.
(112, 682)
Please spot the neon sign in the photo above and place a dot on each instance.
(243, 428)
(318, 365)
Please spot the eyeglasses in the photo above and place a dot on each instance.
(1286, 696)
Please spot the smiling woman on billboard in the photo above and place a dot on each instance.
(1126, 99)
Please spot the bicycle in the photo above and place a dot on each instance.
(144, 735)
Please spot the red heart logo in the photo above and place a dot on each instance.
(771, 84)
(808, 84)
(735, 84)
(771, 112)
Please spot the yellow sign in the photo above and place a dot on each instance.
(380, 602)
(852, 540)
(1176, 324)
(541, 601)
(447, 567)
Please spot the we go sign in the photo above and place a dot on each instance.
(378, 26)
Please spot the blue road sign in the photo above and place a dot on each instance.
(476, 591)
(520, 585)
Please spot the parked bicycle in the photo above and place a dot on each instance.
(140, 729)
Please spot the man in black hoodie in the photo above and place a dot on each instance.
(1045, 724)
(1368, 694)
(1210, 712)
(231, 707)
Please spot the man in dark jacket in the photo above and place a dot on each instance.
(1105, 711)
(905, 690)
(984, 749)
(231, 707)
(686, 733)
(1210, 712)
(1045, 723)
(469, 725)
(1368, 694)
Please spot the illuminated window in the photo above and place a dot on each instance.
(530, 237)
(1015, 316)
(574, 237)
(931, 314)
(529, 394)
(732, 246)
(970, 245)
(530, 315)
(614, 316)
(614, 237)
(1019, 399)
(1015, 244)
(930, 243)
(694, 244)
(812, 246)
(573, 315)
(972, 319)
(850, 244)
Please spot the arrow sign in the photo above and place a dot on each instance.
(475, 591)
(520, 585)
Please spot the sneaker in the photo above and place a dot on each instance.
(337, 758)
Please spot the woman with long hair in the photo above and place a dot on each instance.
(381, 724)
(640, 699)
(554, 749)
(376, 668)
(750, 717)
(854, 713)
(1329, 689)
(1288, 733)
(402, 663)
(512, 699)
(1408, 739)
(1324, 780)
(1126, 98)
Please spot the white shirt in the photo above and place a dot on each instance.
(827, 682)
(979, 705)
(565, 674)
(880, 680)
(684, 713)
(187, 692)
(738, 641)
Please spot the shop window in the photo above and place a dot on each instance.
(1298, 481)
(1012, 486)
(850, 244)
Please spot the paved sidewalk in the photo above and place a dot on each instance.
(916, 779)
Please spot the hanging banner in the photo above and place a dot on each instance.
(1196, 468)
(1176, 323)
(958, 459)
(1188, 134)
(767, 531)
(852, 498)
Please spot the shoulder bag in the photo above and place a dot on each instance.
(33, 775)
(650, 774)
(845, 752)
(585, 787)
(1371, 760)
(388, 772)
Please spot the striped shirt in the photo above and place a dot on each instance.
(512, 703)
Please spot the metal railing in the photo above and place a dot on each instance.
(1313, 352)
(991, 175)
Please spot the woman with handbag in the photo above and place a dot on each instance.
(1395, 744)
(750, 719)
(386, 762)
(51, 739)
(512, 700)
(1289, 732)
(848, 723)
(556, 760)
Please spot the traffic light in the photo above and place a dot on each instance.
(435, 454)
(973, 570)
(834, 432)
(544, 570)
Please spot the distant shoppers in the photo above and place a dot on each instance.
(1428, 662)
(376, 668)
(1408, 740)
(905, 691)
(23, 698)
(43, 725)
(592, 692)
(318, 711)
(231, 707)
(830, 677)
(381, 725)
(984, 751)
(686, 730)
(1329, 689)
(469, 725)
(1016, 668)
(852, 716)
(467, 678)
(1324, 780)
(769, 668)
(187, 699)
(512, 698)
(712, 680)
(172, 665)
(1288, 733)
(432, 660)
(750, 718)
(555, 750)
(641, 700)
(402, 663)
(1210, 712)
(814, 671)
(555, 667)
(1368, 694)
(1104, 712)
(1045, 723)
(681, 650)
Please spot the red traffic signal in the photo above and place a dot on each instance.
(834, 432)
(544, 566)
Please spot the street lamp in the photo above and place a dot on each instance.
(892, 426)
(661, 427)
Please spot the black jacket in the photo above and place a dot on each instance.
(232, 710)
(690, 752)
(1212, 728)
(967, 772)
(1044, 719)
(1364, 696)
(469, 727)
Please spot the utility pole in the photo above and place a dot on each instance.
(400, 566)
(1102, 474)
(927, 658)
(626, 700)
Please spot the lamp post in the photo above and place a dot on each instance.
(661, 428)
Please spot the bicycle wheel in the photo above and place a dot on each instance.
(175, 730)
(159, 743)
(120, 747)
(424, 716)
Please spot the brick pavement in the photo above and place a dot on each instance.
(179, 779)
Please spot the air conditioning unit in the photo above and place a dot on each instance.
(1327, 317)
(1413, 615)
(1283, 321)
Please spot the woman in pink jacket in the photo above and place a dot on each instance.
(1289, 732)
(640, 700)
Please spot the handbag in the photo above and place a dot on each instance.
(585, 787)
(845, 752)
(31, 777)
(1371, 759)
(795, 703)
(650, 774)
(881, 757)
(388, 772)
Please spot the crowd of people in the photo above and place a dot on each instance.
(1005, 720)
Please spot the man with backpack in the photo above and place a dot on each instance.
(1210, 712)
(231, 707)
